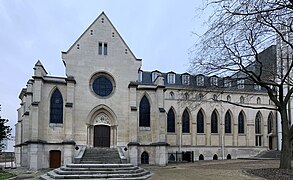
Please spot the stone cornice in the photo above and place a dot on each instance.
(70, 79)
(133, 144)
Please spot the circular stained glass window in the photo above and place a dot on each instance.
(102, 86)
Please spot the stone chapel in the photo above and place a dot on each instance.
(106, 100)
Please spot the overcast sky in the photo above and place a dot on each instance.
(160, 32)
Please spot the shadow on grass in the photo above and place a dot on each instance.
(6, 175)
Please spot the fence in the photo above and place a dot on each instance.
(7, 159)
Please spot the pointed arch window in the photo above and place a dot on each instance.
(258, 100)
(242, 100)
(258, 123)
(172, 95)
(229, 98)
(270, 123)
(200, 122)
(171, 121)
(241, 123)
(258, 136)
(144, 112)
(56, 107)
(228, 122)
(185, 122)
(214, 122)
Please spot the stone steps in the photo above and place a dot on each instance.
(100, 156)
(98, 171)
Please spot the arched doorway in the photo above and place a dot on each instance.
(201, 157)
(144, 158)
(101, 136)
(215, 157)
(102, 127)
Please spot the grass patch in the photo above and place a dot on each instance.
(6, 175)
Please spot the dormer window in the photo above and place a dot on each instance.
(171, 78)
(214, 81)
(186, 79)
(139, 76)
(200, 80)
(155, 74)
(227, 83)
(240, 84)
(257, 87)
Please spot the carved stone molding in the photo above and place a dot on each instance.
(102, 119)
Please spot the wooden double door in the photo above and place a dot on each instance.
(101, 136)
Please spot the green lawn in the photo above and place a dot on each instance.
(5, 175)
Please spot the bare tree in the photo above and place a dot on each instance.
(238, 31)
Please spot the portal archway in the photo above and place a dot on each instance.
(102, 127)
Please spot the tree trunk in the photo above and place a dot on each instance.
(286, 154)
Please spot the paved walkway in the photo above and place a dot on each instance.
(219, 170)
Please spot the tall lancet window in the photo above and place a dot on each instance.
(228, 122)
(56, 108)
(241, 123)
(214, 122)
(200, 122)
(144, 112)
(185, 122)
(171, 121)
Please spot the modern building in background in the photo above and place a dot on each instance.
(107, 100)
